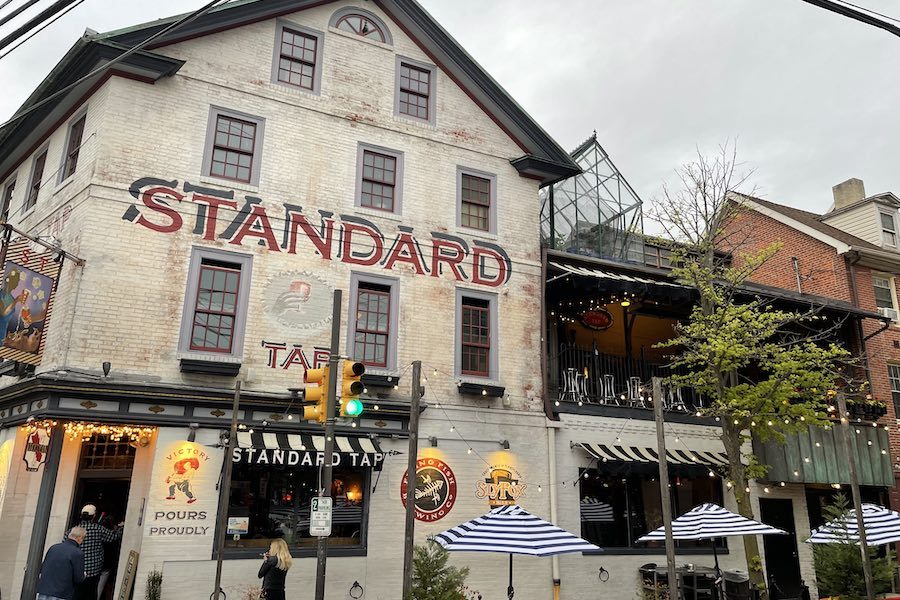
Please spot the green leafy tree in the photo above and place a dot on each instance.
(433, 578)
(839, 570)
(762, 370)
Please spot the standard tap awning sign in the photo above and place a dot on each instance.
(305, 450)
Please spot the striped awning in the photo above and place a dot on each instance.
(614, 453)
(612, 275)
(305, 450)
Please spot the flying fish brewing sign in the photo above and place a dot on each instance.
(26, 300)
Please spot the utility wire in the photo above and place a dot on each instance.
(16, 11)
(136, 48)
(884, 16)
(41, 28)
(35, 21)
(857, 15)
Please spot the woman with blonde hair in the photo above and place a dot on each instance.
(274, 569)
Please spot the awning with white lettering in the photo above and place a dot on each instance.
(305, 450)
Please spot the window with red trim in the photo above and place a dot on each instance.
(76, 133)
(373, 324)
(475, 195)
(297, 60)
(215, 311)
(415, 91)
(476, 337)
(362, 26)
(234, 143)
(379, 181)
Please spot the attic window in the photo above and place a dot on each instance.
(363, 26)
(888, 229)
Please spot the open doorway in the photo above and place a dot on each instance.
(104, 480)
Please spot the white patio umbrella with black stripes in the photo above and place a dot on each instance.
(882, 527)
(708, 522)
(512, 530)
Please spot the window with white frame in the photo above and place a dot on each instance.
(374, 301)
(476, 335)
(233, 146)
(888, 229)
(215, 309)
(885, 296)
(298, 57)
(894, 376)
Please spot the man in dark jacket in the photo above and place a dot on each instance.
(63, 568)
(96, 535)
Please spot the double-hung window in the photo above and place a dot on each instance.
(8, 192)
(885, 298)
(476, 340)
(215, 311)
(894, 376)
(297, 58)
(476, 194)
(374, 303)
(415, 90)
(233, 146)
(379, 179)
(888, 229)
(37, 175)
(73, 147)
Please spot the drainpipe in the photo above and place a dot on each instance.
(796, 262)
(851, 258)
(554, 508)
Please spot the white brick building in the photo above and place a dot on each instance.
(218, 185)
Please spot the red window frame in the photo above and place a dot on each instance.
(37, 174)
(361, 25)
(362, 317)
(293, 56)
(76, 134)
(233, 150)
(474, 343)
(472, 197)
(383, 184)
(216, 267)
(415, 91)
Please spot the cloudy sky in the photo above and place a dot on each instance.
(811, 97)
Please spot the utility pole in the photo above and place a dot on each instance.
(225, 493)
(664, 492)
(411, 463)
(325, 491)
(850, 449)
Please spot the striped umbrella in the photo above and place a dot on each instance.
(882, 527)
(707, 522)
(512, 530)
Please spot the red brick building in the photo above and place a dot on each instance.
(850, 253)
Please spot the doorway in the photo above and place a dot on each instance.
(782, 562)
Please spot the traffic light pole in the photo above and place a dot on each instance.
(325, 485)
(412, 461)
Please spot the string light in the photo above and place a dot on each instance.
(116, 433)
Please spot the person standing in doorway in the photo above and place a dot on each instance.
(274, 570)
(63, 568)
(95, 536)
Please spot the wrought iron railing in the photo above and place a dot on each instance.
(587, 376)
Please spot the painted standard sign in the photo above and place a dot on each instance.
(320, 517)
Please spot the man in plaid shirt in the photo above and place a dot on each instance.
(92, 547)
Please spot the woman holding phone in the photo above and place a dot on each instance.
(274, 569)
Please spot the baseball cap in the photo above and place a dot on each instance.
(89, 509)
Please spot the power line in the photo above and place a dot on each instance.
(857, 15)
(134, 49)
(890, 18)
(41, 28)
(36, 21)
(16, 11)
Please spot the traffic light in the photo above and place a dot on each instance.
(351, 388)
(317, 394)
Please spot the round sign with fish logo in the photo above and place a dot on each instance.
(435, 492)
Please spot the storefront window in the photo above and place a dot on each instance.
(617, 509)
(277, 501)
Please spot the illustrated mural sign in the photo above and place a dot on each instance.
(183, 498)
(298, 300)
(36, 447)
(502, 486)
(346, 238)
(26, 300)
(435, 492)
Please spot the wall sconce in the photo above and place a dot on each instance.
(433, 440)
(192, 435)
(504, 444)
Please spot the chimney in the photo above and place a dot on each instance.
(845, 194)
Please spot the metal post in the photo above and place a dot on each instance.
(334, 374)
(664, 485)
(850, 449)
(411, 464)
(225, 494)
(42, 514)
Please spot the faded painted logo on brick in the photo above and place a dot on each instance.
(298, 300)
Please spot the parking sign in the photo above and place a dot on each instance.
(320, 517)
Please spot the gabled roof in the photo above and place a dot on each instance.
(885, 198)
(543, 157)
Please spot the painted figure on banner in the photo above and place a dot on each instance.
(23, 307)
(180, 479)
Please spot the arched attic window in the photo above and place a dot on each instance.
(362, 23)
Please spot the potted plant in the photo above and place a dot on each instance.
(154, 585)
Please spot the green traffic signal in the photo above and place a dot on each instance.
(353, 408)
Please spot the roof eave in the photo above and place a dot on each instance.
(546, 171)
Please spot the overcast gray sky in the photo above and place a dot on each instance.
(813, 98)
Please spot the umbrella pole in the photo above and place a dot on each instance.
(716, 557)
(509, 591)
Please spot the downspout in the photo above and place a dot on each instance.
(554, 508)
(545, 380)
(851, 259)
(796, 262)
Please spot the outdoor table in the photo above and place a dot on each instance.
(696, 584)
